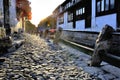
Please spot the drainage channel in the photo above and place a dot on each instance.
(111, 59)
(84, 49)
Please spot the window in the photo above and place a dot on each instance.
(98, 6)
(70, 17)
(83, 10)
(107, 5)
(77, 12)
(104, 7)
(61, 19)
(69, 4)
(80, 13)
(112, 3)
(73, 1)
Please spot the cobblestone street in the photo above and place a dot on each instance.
(34, 60)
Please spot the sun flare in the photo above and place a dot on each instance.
(43, 8)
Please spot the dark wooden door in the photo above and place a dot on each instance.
(74, 19)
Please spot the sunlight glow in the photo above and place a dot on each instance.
(43, 8)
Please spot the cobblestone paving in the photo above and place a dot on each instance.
(35, 61)
(104, 72)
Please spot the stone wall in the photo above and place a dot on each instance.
(115, 48)
(85, 37)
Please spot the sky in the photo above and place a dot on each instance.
(43, 8)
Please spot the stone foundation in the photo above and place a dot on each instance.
(87, 38)
(112, 55)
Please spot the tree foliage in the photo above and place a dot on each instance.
(29, 27)
(23, 9)
(49, 22)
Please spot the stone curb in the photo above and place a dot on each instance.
(16, 44)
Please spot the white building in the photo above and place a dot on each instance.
(8, 18)
(89, 15)
(12, 12)
(1, 13)
(82, 20)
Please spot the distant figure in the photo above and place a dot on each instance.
(40, 33)
(57, 36)
(46, 35)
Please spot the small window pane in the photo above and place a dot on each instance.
(98, 6)
(70, 16)
(76, 12)
(79, 12)
(102, 6)
(83, 10)
(107, 5)
(112, 4)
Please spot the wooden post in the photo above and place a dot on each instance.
(6, 17)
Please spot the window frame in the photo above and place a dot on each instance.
(70, 16)
(104, 11)
(61, 19)
(81, 13)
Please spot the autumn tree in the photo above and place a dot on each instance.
(49, 22)
(23, 9)
(29, 27)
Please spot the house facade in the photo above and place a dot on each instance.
(12, 10)
(82, 20)
(89, 15)
(1, 14)
(8, 14)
